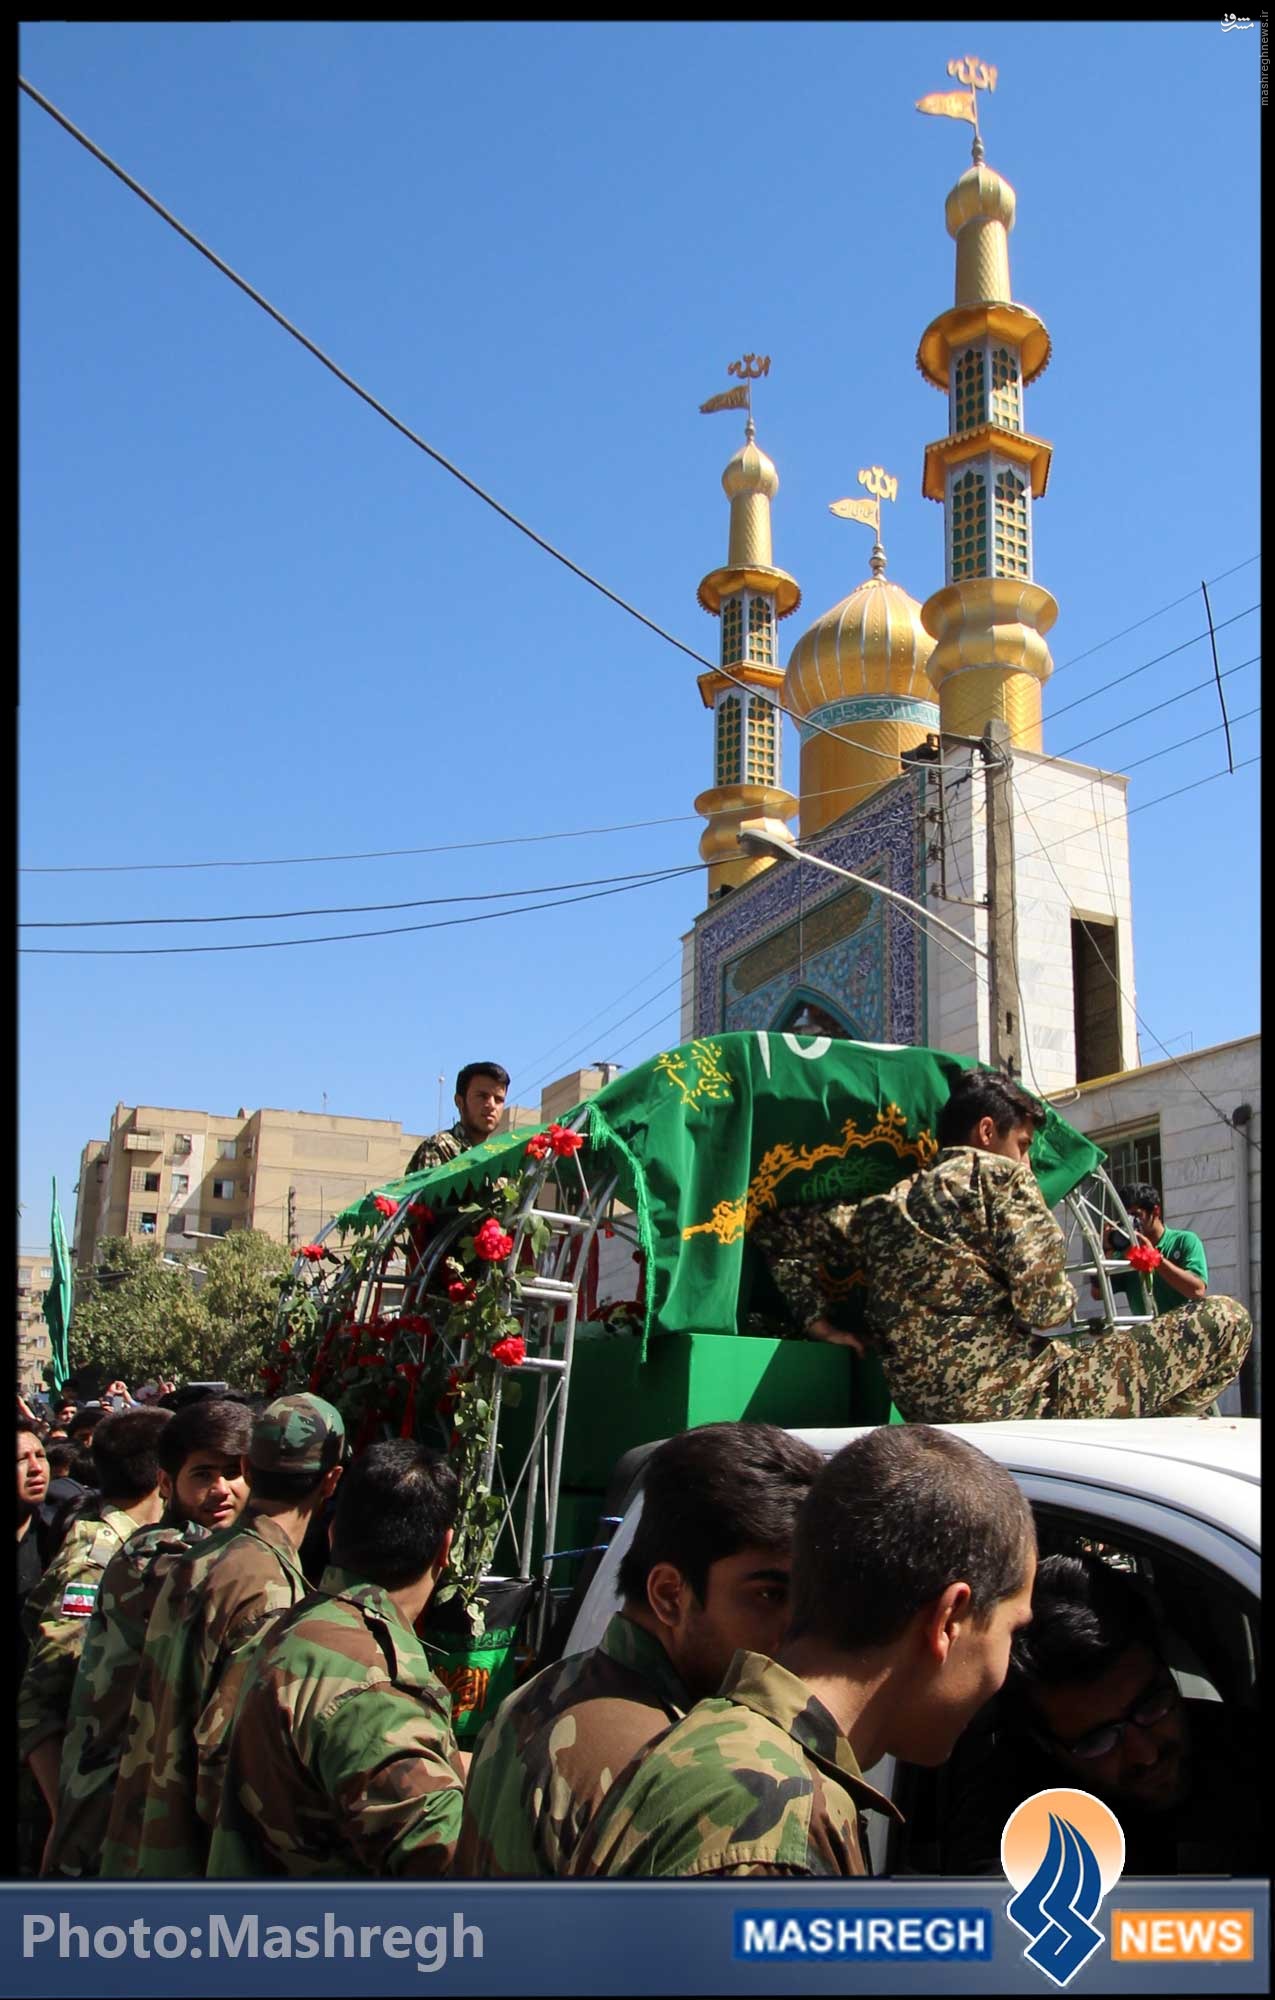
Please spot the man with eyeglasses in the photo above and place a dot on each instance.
(1090, 1702)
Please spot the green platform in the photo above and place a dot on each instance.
(618, 1401)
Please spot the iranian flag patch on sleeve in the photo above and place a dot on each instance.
(78, 1600)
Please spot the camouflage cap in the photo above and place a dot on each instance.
(290, 1435)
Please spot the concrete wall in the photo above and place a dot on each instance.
(1206, 1164)
(1071, 859)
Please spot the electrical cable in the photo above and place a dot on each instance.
(549, 1053)
(1151, 616)
(1197, 687)
(347, 909)
(337, 937)
(1183, 743)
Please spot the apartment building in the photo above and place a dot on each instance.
(35, 1274)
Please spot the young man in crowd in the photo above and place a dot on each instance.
(125, 1455)
(202, 1482)
(212, 1608)
(481, 1089)
(1090, 1702)
(966, 1298)
(705, 1574)
(342, 1759)
(33, 1483)
(913, 1561)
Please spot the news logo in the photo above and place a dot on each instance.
(1063, 1851)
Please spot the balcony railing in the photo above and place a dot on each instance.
(143, 1142)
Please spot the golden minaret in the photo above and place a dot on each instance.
(990, 659)
(749, 596)
(862, 671)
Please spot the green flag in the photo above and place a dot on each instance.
(707, 1137)
(57, 1303)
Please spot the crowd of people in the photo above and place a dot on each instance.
(221, 1667)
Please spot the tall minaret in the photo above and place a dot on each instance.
(990, 659)
(749, 596)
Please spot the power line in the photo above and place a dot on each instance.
(1148, 664)
(1196, 688)
(311, 347)
(344, 909)
(1183, 743)
(338, 937)
(1151, 616)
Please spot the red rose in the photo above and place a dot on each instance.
(539, 1148)
(491, 1243)
(564, 1143)
(462, 1291)
(420, 1211)
(285, 1347)
(510, 1351)
(384, 1205)
(1144, 1257)
(313, 1251)
(371, 1361)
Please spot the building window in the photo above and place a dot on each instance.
(732, 631)
(180, 1185)
(181, 1145)
(969, 526)
(1096, 997)
(219, 1226)
(150, 1183)
(728, 732)
(763, 749)
(969, 398)
(223, 1190)
(1133, 1157)
(46, 1271)
(1007, 396)
(148, 1222)
(225, 1149)
(177, 1225)
(761, 631)
(1013, 554)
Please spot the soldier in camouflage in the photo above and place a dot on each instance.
(913, 1562)
(211, 1611)
(342, 1759)
(706, 1574)
(965, 1296)
(481, 1089)
(201, 1477)
(57, 1611)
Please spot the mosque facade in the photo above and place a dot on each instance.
(892, 696)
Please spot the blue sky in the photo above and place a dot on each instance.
(256, 623)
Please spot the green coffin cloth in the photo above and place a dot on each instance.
(706, 1137)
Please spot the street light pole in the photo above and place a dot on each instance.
(755, 841)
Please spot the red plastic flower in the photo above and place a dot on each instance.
(384, 1205)
(539, 1148)
(420, 1211)
(285, 1347)
(313, 1251)
(370, 1361)
(491, 1243)
(1144, 1257)
(462, 1291)
(510, 1351)
(564, 1143)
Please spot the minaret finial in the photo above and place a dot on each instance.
(881, 486)
(976, 75)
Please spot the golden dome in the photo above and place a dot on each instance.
(750, 471)
(872, 643)
(980, 195)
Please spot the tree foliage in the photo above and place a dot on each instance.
(140, 1317)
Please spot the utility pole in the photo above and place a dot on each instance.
(1004, 1004)
(292, 1218)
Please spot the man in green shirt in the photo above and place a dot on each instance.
(1182, 1274)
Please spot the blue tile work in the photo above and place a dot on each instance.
(873, 978)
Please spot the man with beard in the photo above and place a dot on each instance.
(1090, 1702)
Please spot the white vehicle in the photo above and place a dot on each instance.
(1177, 1498)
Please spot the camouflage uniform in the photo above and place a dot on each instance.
(98, 1714)
(342, 1759)
(55, 1620)
(212, 1610)
(439, 1150)
(553, 1750)
(960, 1264)
(757, 1780)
